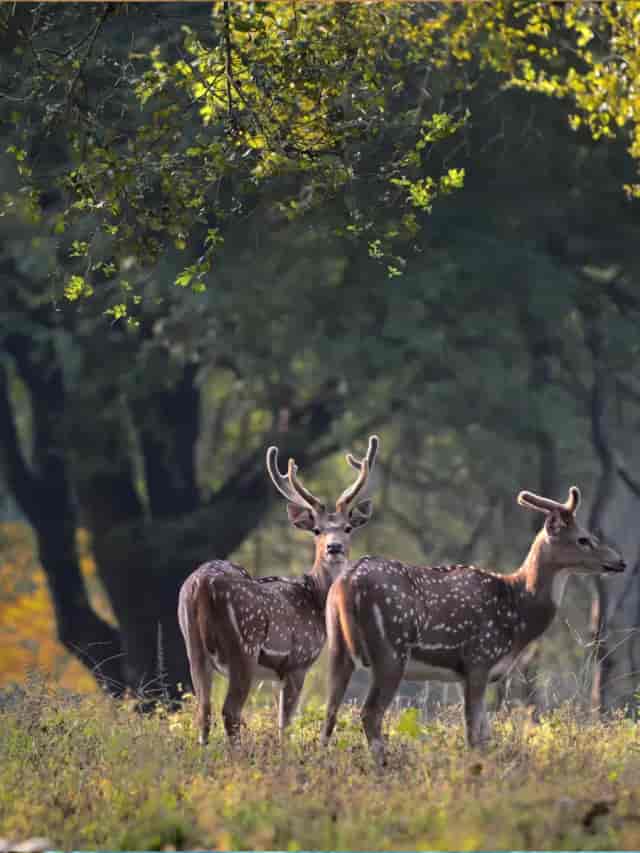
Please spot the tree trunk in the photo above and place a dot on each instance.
(523, 687)
(43, 494)
(600, 600)
(143, 557)
(83, 633)
(612, 626)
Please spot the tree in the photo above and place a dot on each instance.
(117, 407)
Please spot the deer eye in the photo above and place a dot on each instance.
(316, 531)
(584, 542)
(348, 528)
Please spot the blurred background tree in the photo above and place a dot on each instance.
(234, 225)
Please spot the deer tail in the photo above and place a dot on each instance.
(193, 604)
(345, 610)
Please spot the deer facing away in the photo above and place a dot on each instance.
(243, 627)
(452, 622)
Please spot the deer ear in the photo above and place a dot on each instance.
(574, 499)
(361, 513)
(300, 517)
(556, 522)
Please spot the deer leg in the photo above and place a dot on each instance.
(475, 711)
(201, 679)
(387, 675)
(340, 672)
(202, 685)
(289, 695)
(200, 667)
(240, 681)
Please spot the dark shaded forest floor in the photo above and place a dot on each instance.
(90, 774)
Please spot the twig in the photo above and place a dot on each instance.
(92, 40)
(228, 58)
(628, 479)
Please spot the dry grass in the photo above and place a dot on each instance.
(89, 773)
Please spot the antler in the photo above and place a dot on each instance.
(364, 466)
(288, 484)
(547, 505)
(305, 494)
(372, 450)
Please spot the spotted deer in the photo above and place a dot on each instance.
(452, 623)
(270, 627)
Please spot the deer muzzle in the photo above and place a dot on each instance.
(614, 568)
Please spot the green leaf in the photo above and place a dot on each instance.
(76, 287)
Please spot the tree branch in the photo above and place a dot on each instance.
(629, 387)
(599, 433)
(92, 40)
(228, 68)
(168, 421)
(627, 478)
(466, 551)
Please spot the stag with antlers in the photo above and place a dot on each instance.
(452, 622)
(273, 628)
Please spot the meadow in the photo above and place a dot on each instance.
(89, 773)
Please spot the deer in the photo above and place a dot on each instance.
(272, 628)
(452, 623)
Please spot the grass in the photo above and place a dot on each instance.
(91, 774)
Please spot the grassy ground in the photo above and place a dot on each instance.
(89, 774)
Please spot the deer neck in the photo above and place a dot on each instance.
(322, 575)
(539, 584)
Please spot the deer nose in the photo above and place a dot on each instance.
(335, 548)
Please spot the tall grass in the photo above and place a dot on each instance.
(90, 773)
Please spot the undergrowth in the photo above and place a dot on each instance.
(89, 773)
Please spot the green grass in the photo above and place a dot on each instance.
(92, 774)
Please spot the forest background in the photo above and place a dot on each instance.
(228, 226)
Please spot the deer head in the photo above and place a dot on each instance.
(332, 530)
(564, 543)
